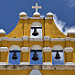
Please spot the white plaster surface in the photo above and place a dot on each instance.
(36, 13)
(2, 31)
(49, 13)
(3, 63)
(69, 63)
(14, 47)
(23, 13)
(68, 49)
(24, 63)
(57, 47)
(3, 49)
(25, 49)
(47, 63)
(47, 49)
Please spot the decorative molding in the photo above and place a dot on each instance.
(47, 38)
(36, 47)
(25, 38)
(14, 47)
(68, 49)
(31, 39)
(36, 17)
(0, 39)
(3, 49)
(48, 17)
(4, 38)
(39, 67)
(72, 39)
(68, 38)
(24, 63)
(38, 39)
(57, 39)
(24, 18)
(47, 49)
(3, 63)
(47, 63)
(14, 39)
(11, 39)
(36, 24)
(25, 49)
(69, 63)
(57, 47)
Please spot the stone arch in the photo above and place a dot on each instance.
(33, 72)
(57, 47)
(36, 55)
(36, 24)
(57, 55)
(14, 47)
(14, 55)
(36, 47)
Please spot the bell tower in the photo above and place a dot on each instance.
(36, 26)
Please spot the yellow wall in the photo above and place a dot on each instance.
(69, 57)
(48, 28)
(43, 72)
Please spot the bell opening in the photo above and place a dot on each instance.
(14, 57)
(35, 33)
(35, 56)
(57, 55)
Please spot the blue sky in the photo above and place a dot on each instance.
(64, 11)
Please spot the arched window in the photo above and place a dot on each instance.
(35, 72)
(36, 55)
(57, 55)
(36, 30)
(14, 55)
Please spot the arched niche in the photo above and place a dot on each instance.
(57, 55)
(14, 55)
(36, 30)
(36, 56)
(35, 72)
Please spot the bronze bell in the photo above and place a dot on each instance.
(14, 56)
(35, 56)
(57, 55)
(35, 33)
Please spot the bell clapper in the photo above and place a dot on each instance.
(57, 55)
(14, 56)
(35, 56)
(35, 33)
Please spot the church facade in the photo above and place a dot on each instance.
(37, 47)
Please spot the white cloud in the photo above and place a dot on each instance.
(60, 24)
(70, 30)
(71, 3)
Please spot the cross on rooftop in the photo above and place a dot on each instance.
(36, 7)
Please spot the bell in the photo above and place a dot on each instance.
(57, 56)
(35, 33)
(35, 57)
(14, 56)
